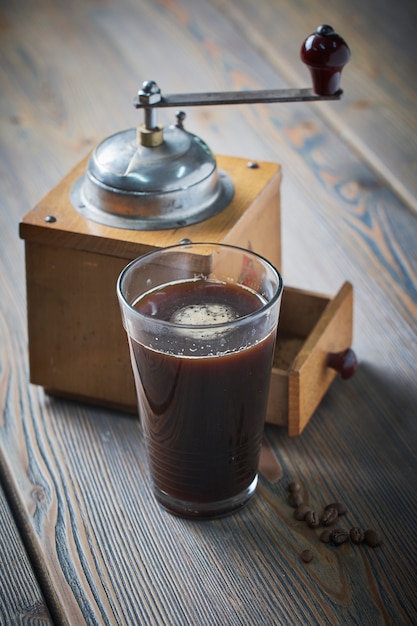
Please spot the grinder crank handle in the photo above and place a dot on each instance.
(324, 52)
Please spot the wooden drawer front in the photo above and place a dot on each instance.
(311, 327)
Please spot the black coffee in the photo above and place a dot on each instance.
(203, 416)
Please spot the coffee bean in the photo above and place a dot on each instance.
(307, 556)
(294, 486)
(326, 536)
(339, 535)
(372, 538)
(339, 506)
(295, 499)
(312, 519)
(301, 512)
(356, 535)
(329, 516)
(332, 511)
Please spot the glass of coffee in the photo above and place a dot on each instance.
(201, 322)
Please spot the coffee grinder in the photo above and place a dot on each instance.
(151, 187)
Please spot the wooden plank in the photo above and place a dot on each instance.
(106, 553)
(21, 599)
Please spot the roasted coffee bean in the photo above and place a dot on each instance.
(312, 519)
(307, 556)
(356, 535)
(372, 538)
(294, 486)
(339, 506)
(339, 535)
(326, 536)
(295, 498)
(301, 512)
(329, 516)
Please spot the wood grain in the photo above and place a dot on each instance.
(104, 552)
(21, 600)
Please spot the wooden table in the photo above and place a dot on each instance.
(82, 540)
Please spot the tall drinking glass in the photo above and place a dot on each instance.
(201, 322)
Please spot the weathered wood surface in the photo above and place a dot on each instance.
(104, 552)
(21, 600)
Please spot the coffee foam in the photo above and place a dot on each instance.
(207, 314)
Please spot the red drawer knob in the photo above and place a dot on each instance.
(325, 53)
(345, 362)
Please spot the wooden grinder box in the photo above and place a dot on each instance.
(77, 345)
